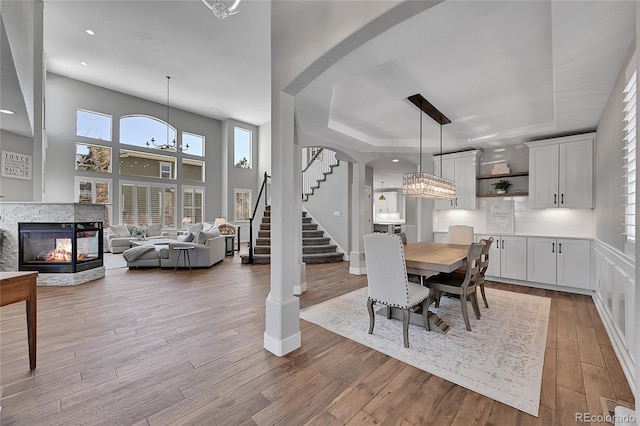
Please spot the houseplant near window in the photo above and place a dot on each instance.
(502, 186)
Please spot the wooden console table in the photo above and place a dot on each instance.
(18, 286)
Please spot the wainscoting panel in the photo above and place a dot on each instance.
(614, 296)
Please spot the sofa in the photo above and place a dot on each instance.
(204, 254)
(116, 237)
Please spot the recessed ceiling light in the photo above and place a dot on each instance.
(6, 111)
(84, 63)
(90, 32)
(395, 160)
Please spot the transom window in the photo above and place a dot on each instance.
(93, 158)
(242, 147)
(193, 144)
(148, 132)
(93, 125)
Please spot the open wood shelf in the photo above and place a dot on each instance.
(502, 176)
(510, 194)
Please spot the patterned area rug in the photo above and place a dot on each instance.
(501, 358)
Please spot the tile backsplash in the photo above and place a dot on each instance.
(543, 222)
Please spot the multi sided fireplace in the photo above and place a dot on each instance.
(60, 247)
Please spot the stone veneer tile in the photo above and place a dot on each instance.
(13, 213)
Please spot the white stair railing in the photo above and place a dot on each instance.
(316, 170)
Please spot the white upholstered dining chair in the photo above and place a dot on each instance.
(388, 283)
(460, 234)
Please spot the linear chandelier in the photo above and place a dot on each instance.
(223, 8)
(167, 146)
(422, 184)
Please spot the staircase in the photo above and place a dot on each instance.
(320, 166)
(315, 246)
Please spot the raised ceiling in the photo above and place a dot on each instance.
(503, 72)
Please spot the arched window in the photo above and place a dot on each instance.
(149, 132)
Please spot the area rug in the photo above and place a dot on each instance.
(114, 261)
(501, 358)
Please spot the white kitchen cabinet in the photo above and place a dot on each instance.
(561, 261)
(507, 257)
(561, 172)
(462, 168)
(441, 237)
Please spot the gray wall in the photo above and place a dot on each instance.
(608, 168)
(16, 189)
(65, 95)
(331, 197)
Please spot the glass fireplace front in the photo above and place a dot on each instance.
(60, 247)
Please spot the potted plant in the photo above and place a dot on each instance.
(139, 231)
(502, 186)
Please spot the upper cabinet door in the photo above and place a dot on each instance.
(465, 179)
(561, 172)
(543, 176)
(448, 171)
(461, 168)
(576, 174)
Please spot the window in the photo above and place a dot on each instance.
(195, 144)
(144, 204)
(242, 204)
(148, 132)
(192, 170)
(166, 170)
(95, 191)
(242, 148)
(192, 205)
(629, 190)
(93, 125)
(135, 163)
(93, 158)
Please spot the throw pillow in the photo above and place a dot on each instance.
(120, 231)
(154, 230)
(185, 238)
(202, 236)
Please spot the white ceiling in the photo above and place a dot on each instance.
(504, 72)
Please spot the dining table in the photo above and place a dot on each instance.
(424, 260)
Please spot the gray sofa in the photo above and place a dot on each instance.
(165, 256)
(116, 237)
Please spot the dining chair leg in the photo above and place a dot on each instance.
(388, 312)
(484, 296)
(438, 296)
(474, 304)
(405, 326)
(372, 318)
(425, 313)
(465, 312)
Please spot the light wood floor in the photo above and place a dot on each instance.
(153, 347)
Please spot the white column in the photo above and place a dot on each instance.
(301, 286)
(282, 325)
(359, 224)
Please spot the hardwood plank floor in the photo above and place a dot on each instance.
(154, 347)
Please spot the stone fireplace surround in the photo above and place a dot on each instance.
(13, 213)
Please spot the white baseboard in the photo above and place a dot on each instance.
(282, 347)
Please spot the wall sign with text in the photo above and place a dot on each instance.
(16, 165)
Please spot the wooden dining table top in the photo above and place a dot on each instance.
(429, 258)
